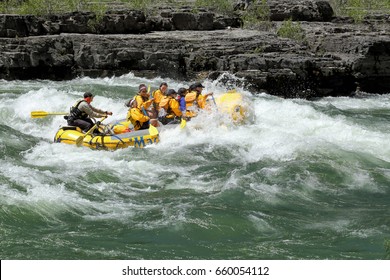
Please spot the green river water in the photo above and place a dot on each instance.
(301, 180)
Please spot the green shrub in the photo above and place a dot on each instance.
(292, 30)
(222, 6)
(257, 14)
(41, 7)
(140, 4)
(48, 7)
(358, 9)
(99, 10)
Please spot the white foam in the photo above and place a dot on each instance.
(283, 128)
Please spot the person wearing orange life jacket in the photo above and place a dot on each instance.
(159, 94)
(195, 100)
(138, 114)
(82, 111)
(137, 117)
(127, 103)
(169, 112)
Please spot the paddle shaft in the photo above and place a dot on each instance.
(79, 141)
(146, 114)
(215, 103)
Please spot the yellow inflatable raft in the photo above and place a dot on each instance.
(138, 139)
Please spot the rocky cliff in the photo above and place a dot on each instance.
(331, 58)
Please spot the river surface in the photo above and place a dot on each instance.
(301, 180)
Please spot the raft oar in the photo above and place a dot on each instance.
(153, 131)
(183, 123)
(43, 114)
(80, 140)
(215, 103)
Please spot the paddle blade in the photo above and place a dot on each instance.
(79, 141)
(43, 114)
(153, 131)
(38, 114)
(183, 123)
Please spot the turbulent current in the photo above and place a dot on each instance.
(301, 180)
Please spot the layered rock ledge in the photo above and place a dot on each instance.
(335, 55)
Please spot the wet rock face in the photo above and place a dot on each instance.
(302, 10)
(334, 56)
(115, 22)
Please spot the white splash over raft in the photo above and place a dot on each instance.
(235, 106)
